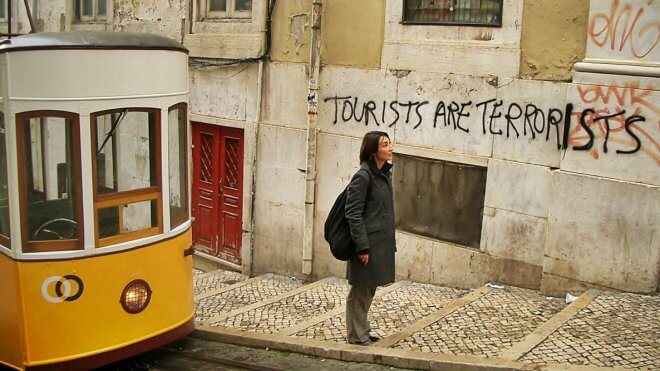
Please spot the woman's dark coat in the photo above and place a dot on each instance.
(370, 214)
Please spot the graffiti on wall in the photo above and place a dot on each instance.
(619, 114)
(626, 28)
(614, 120)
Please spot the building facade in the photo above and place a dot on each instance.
(526, 133)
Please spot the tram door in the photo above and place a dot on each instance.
(217, 191)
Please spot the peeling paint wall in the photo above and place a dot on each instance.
(553, 38)
(291, 33)
(352, 33)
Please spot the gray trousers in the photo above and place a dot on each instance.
(357, 307)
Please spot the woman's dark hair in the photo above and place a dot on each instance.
(370, 143)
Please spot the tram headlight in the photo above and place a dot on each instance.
(136, 296)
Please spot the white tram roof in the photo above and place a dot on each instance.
(89, 40)
(44, 70)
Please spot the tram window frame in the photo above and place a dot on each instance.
(177, 219)
(122, 199)
(95, 16)
(5, 223)
(72, 140)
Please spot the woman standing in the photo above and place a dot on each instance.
(370, 214)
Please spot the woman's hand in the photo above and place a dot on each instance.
(364, 258)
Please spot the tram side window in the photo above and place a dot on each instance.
(4, 193)
(50, 182)
(127, 175)
(178, 169)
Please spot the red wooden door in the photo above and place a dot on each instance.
(218, 191)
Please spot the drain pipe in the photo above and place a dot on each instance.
(312, 116)
(253, 186)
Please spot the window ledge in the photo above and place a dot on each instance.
(226, 20)
(91, 26)
(225, 45)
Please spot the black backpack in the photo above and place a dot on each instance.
(336, 231)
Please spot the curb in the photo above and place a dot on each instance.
(383, 356)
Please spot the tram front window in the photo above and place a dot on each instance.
(4, 194)
(177, 162)
(49, 181)
(127, 174)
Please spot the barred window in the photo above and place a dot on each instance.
(453, 12)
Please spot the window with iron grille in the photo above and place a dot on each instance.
(3, 10)
(439, 199)
(453, 12)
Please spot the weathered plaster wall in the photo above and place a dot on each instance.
(624, 30)
(604, 209)
(285, 84)
(352, 32)
(50, 16)
(461, 102)
(280, 193)
(224, 92)
(291, 31)
(337, 161)
(522, 130)
(162, 17)
(280, 201)
(553, 38)
(602, 232)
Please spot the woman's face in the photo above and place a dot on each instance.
(385, 150)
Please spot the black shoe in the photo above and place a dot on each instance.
(374, 338)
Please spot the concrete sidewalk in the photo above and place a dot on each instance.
(432, 327)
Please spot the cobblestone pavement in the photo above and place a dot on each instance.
(243, 295)
(204, 282)
(390, 312)
(603, 329)
(487, 326)
(290, 311)
(616, 329)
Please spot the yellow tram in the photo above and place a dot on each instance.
(95, 256)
